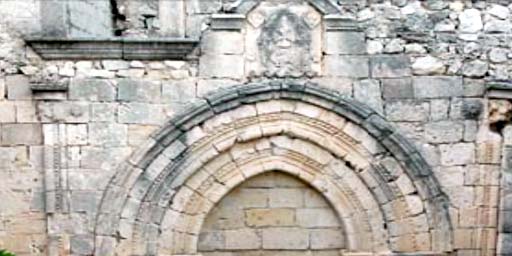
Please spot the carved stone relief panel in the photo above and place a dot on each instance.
(283, 39)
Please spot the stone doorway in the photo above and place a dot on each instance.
(272, 214)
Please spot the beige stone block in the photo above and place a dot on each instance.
(76, 134)
(243, 198)
(242, 239)
(26, 112)
(463, 239)
(326, 239)
(313, 199)
(286, 197)
(317, 218)
(285, 238)
(270, 217)
(7, 112)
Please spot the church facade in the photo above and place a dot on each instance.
(256, 127)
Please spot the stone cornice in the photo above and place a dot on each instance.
(499, 90)
(112, 48)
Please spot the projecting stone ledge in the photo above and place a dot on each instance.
(113, 48)
(499, 89)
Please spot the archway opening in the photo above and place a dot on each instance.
(272, 213)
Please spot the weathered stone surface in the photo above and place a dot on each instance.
(444, 132)
(428, 66)
(221, 66)
(339, 42)
(407, 110)
(390, 66)
(140, 113)
(223, 42)
(346, 66)
(437, 87)
(18, 88)
(369, 92)
(470, 21)
(92, 90)
(179, 91)
(107, 134)
(457, 154)
(138, 91)
(285, 238)
(12, 135)
(476, 68)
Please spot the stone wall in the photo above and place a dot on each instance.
(272, 212)
(422, 65)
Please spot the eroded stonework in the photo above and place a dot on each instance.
(154, 117)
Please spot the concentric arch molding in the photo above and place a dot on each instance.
(382, 189)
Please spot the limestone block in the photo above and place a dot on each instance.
(285, 238)
(439, 109)
(138, 134)
(444, 132)
(82, 244)
(18, 87)
(179, 91)
(369, 92)
(407, 110)
(32, 134)
(343, 42)
(91, 90)
(221, 66)
(437, 87)
(346, 66)
(7, 112)
(211, 241)
(84, 201)
(428, 65)
(138, 91)
(76, 134)
(286, 197)
(317, 218)
(140, 113)
(103, 112)
(242, 239)
(103, 158)
(457, 154)
(470, 21)
(313, 199)
(394, 88)
(327, 239)
(390, 66)
(270, 217)
(108, 134)
(26, 112)
(89, 18)
(222, 42)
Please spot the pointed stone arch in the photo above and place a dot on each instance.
(381, 187)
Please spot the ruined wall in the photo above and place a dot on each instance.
(422, 65)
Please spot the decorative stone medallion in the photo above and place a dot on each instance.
(283, 39)
(284, 45)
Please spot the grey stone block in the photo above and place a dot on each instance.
(22, 134)
(82, 244)
(444, 132)
(139, 91)
(221, 66)
(108, 134)
(368, 91)
(222, 42)
(407, 110)
(84, 201)
(179, 91)
(91, 90)
(89, 18)
(18, 87)
(346, 66)
(437, 87)
(396, 88)
(343, 42)
(140, 113)
(390, 66)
